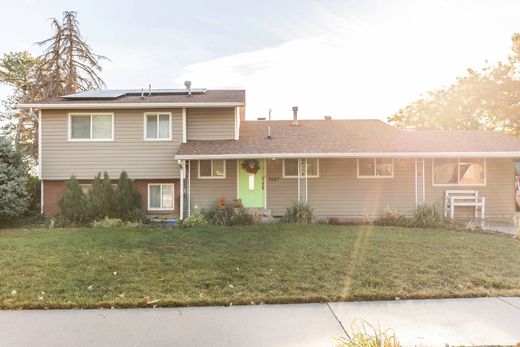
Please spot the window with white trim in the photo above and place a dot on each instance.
(157, 126)
(375, 168)
(161, 196)
(91, 127)
(309, 166)
(459, 171)
(212, 169)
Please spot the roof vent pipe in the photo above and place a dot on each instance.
(150, 89)
(188, 86)
(142, 93)
(269, 127)
(295, 115)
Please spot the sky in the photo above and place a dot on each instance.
(346, 59)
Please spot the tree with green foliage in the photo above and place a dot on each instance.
(101, 197)
(14, 198)
(74, 203)
(481, 100)
(127, 200)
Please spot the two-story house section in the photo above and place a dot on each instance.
(188, 149)
(140, 132)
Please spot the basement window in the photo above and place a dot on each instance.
(161, 197)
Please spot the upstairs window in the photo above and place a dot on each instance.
(459, 172)
(212, 169)
(157, 126)
(91, 127)
(375, 168)
(309, 166)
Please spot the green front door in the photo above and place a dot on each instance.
(251, 186)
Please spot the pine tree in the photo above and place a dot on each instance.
(127, 199)
(101, 197)
(74, 203)
(14, 198)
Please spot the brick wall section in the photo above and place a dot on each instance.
(53, 191)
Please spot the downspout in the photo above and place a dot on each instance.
(181, 165)
(40, 166)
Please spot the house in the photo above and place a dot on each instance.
(186, 150)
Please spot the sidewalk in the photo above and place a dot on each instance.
(415, 322)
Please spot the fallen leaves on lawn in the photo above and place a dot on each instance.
(14, 292)
(115, 273)
(90, 287)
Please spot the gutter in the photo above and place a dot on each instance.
(511, 154)
(140, 105)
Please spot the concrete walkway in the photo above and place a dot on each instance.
(482, 321)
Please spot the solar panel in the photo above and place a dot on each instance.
(116, 93)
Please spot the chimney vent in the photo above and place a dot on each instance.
(188, 86)
(295, 115)
(327, 117)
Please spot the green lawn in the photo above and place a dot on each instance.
(263, 263)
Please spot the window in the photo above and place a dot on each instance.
(160, 196)
(309, 165)
(212, 169)
(157, 126)
(459, 171)
(91, 127)
(375, 168)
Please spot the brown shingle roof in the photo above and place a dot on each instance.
(346, 137)
(238, 96)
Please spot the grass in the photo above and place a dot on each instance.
(255, 264)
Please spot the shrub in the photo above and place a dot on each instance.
(241, 218)
(73, 203)
(34, 192)
(14, 198)
(299, 213)
(427, 216)
(393, 218)
(218, 215)
(101, 197)
(127, 200)
(195, 219)
(108, 223)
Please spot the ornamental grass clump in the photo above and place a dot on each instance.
(299, 213)
(427, 216)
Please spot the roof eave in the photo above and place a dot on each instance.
(503, 154)
(114, 105)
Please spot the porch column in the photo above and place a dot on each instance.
(188, 197)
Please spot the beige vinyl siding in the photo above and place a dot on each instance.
(128, 151)
(207, 192)
(499, 188)
(339, 193)
(210, 123)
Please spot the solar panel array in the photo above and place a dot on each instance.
(114, 94)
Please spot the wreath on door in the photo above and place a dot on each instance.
(251, 166)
